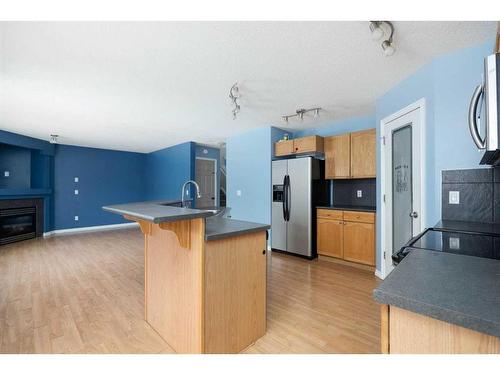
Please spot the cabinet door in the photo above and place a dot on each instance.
(363, 153)
(313, 143)
(338, 156)
(359, 242)
(283, 148)
(330, 238)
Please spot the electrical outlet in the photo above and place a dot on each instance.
(359, 193)
(454, 243)
(238, 193)
(76, 192)
(454, 197)
(76, 218)
(76, 179)
(6, 174)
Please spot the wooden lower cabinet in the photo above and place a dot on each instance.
(359, 242)
(330, 238)
(347, 235)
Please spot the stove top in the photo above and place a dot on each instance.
(464, 243)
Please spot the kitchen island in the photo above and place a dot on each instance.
(437, 302)
(205, 277)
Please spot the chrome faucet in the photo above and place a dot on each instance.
(198, 195)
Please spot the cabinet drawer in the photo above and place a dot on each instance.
(313, 143)
(283, 148)
(362, 217)
(329, 214)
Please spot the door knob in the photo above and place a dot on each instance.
(414, 214)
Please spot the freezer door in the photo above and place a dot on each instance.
(278, 223)
(279, 170)
(299, 236)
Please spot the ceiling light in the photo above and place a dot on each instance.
(388, 48)
(376, 31)
(301, 112)
(53, 138)
(234, 95)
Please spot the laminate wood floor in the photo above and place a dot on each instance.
(85, 294)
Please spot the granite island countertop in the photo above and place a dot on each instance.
(458, 289)
(161, 211)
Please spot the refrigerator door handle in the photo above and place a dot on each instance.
(284, 198)
(473, 126)
(288, 198)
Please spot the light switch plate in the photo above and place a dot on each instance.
(76, 192)
(454, 197)
(238, 193)
(359, 193)
(454, 243)
(76, 218)
(76, 179)
(6, 174)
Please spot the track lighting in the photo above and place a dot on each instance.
(388, 48)
(234, 95)
(378, 32)
(301, 112)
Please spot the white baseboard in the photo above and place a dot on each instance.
(379, 274)
(97, 228)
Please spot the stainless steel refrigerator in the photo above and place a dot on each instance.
(298, 187)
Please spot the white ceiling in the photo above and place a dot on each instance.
(143, 86)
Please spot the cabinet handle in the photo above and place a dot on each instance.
(263, 252)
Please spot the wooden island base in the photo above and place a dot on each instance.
(405, 332)
(204, 296)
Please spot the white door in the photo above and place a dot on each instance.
(402, 188)
(206, 176)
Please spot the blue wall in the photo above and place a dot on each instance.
(168, 169)
(105, 177)
(16, 161)
(339, 127)
(249, 170)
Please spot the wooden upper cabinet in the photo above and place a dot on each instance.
(363, 154)
(313, 143)
(283, 148)
(338, 156)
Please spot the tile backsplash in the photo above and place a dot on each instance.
(478, 195)
(345, 192)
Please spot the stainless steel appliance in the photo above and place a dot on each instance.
(487, 93)
(298, 188)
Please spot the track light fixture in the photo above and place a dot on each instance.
(301, 112)
(234, 95)
(377, 32)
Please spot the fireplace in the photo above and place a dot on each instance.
(20, 219)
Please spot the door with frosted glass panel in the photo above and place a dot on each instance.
(403, 189)
(402, 202)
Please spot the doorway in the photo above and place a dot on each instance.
(402, 180)
(206, 177)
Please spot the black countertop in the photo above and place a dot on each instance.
(157, 211)
(217, 228)
(350, 208)
(160, 211)
(459, 289)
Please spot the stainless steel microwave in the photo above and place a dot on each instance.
(487, 93)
